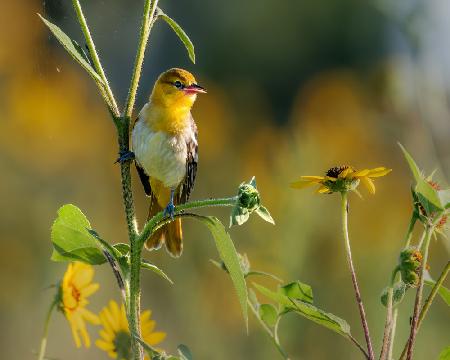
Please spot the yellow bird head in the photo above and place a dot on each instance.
(176, 88)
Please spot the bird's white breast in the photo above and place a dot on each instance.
(162, 155)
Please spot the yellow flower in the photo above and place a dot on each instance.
(115, 336)
(75, 288)
(342, 178)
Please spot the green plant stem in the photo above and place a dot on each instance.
(344, 211)
(272, 334)
(387, 325)
(135, 300)
(95, 58)
(433, 294)
(392, 336)
(419, 293)
(408, 236)
(41, 355)
(146, 25)
(154, 221)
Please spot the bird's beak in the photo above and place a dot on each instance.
(194, 89)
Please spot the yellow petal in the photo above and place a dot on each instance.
(73, 327)
(83, 275)
(106, 346)
(301, 184)
(344, 173)
(148, 326)
(107, 336)
(314, 178)
(361, 173)
(322, 190)
(89, 289)
(89, 316)
(155, 338)
(380, 171)
(368, 183)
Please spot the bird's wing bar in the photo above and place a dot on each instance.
(191, 166)
(145, 179)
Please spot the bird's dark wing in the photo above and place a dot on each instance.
(191, 166)
(145, 179)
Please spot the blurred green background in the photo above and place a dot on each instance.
(294, 87)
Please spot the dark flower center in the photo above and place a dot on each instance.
(335, 171)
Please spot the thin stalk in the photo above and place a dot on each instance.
(408, 236)
(433, 294)
(41, 355)
(392, 337)
(269, 332)
(95, 58)
(419, 293)
(387, 325)
(135, 300)
(146, 25)
(155, 220)
(344, 211)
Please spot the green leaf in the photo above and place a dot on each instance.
(268, 314)
(123, 248)
(185, 352)
(445, 354)
(229, 256)
(412, 164)
(253, 182)
(73, 49)
(239, 216)
(398, 294)
(298, 291)
(428, 197)
(71, 238)
(308, 311)
(442, 291)
(149, 266)
(180, 33)
(263, 273)
(264, 214)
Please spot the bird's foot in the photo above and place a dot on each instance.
(169, 210)
(125, 156)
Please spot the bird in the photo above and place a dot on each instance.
(165, 147)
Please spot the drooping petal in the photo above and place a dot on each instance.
(344, 173)
(90, 289)
(301, 184)
(323, 190)
(83, 275)
(104, 345)
(360, 173)
(368, 183)
(74, 328)
(316, 179)
(89, 316)
(379, 171)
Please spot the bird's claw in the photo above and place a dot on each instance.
(125, 156)
(169, 210)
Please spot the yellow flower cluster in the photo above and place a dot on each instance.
(342, 178)
(115, 338)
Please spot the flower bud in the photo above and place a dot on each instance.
(410, 262)
(248, 197)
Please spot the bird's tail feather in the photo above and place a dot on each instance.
(170, 234)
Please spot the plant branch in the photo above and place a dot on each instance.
(408, 236)
(269, 332)
(358, 345)
(433, 294)
(344, 210)
(41, 355)
(95, 58)
(419, 293)
(392, 335)
(155, 220)
(146, 25)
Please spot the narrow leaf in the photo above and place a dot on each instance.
(229, 256)
(412, 164)
(308, 311)
(149, 266)
(73, 49)
(180, 33)
(123, 248)
(264, 214)
(263, 273)
(268, 314)
(185, 352)
(298, 291)
(442, 291)
(71, 238)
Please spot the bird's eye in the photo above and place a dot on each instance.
(178, 84)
